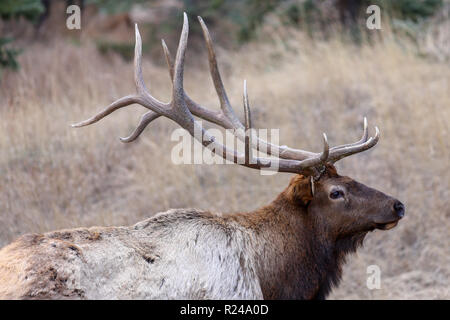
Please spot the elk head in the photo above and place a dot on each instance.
(341, 207)
(331, 200)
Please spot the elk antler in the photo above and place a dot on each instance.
(182, 109)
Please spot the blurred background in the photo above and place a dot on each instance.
(311, 67)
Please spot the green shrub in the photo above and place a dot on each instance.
(30, 9)
(125, 50)
(8, 55)
(12, 9)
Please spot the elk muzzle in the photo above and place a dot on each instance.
(397, 213)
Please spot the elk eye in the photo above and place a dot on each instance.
(336, 194)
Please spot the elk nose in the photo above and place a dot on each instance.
(399, 209)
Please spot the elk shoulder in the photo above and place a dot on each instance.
(152, 259)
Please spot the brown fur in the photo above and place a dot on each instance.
(299, 189)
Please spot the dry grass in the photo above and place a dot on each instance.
(53, 176)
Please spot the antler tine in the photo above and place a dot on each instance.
(168, 59)
(150, 115)
(145, 120)
(326, 149)
(120, 103)
(178, 90)
(152, 102)
(248, 125)
(141, 89)
(138, 78)
(248, 118)
(365, 131)
(149, 101)
(217, 79)
(349, 150)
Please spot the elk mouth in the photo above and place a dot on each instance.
(387, 225)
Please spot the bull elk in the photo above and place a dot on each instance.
(293, 248)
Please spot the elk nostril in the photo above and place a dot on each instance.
(399, 209)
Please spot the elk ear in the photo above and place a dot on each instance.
(301, 189)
